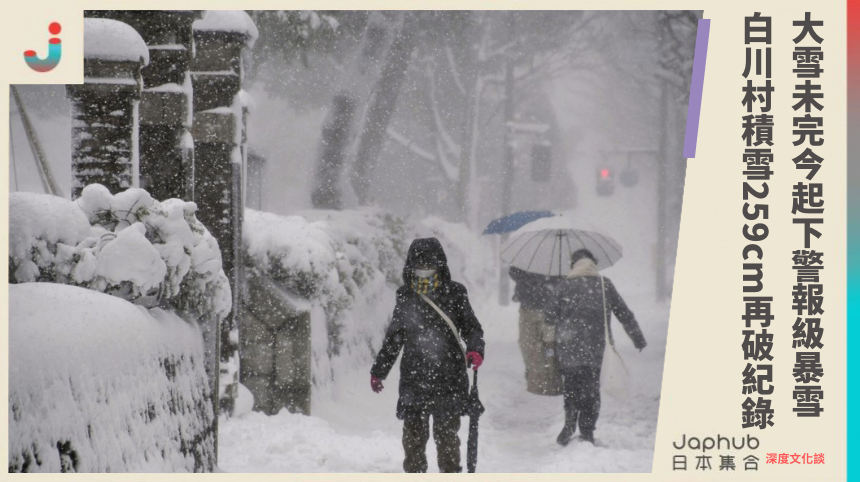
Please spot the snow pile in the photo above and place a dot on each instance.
(97, 384)
(348, 264)
(244, 401)
(236, 21)
(145, 269)
(127, 244)
(106, 39)
(296, 443)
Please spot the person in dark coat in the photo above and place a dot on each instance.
(433, 378)
(534, 291)
(577, 312)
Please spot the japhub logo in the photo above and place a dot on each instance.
(55, 50)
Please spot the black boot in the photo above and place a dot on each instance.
(587, 437)
(569, 428)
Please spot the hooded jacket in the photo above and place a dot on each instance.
(433, 375)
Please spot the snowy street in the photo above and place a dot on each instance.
(242, 223)
(358, 432)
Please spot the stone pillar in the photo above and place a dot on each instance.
(105, 107)
(254, 181)
(166, 145)
(218, 132)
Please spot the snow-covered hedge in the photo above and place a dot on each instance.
(348, 264)
(341, 263)
(127, 244)
(97, 384)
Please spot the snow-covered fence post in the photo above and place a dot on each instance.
(166, 146)
(275, 344)
(220, 109)
(105, 107)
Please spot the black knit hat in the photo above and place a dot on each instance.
(579, 254)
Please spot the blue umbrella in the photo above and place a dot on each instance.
(515, 221)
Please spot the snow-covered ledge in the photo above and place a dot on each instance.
(97, 384)
(236, 22)
(113, 41)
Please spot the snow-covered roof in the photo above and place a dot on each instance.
(237, 21)
(106, 39)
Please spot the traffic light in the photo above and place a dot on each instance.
(605, 181)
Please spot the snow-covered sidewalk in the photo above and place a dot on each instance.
(356, 430)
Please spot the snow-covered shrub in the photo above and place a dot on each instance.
(44, 232)
(127, 244)
(97, 384)
(348, 264)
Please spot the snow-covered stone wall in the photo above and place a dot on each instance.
(143, 252)
(97, 384)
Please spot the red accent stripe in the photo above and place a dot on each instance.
(853, 47)
(54, 40)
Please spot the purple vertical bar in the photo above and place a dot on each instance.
(694, 108)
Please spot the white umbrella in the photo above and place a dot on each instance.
(544, 246)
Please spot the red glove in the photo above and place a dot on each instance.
(474, 359)
(376, 384)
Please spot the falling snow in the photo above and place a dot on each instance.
(368, 129)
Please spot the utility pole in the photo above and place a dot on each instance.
(508, 166)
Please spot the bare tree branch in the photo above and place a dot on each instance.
(454, 71)
(442, 132)
(408, 144)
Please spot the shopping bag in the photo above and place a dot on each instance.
(614, 376)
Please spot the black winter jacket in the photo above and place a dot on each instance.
(433, 375)
(533, 291)
(577, 312)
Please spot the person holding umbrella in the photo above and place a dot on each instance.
(431, 314)
(534, 291)
(580, 314)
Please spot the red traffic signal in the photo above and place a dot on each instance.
(605, 181)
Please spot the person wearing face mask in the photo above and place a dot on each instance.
(433, 376)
